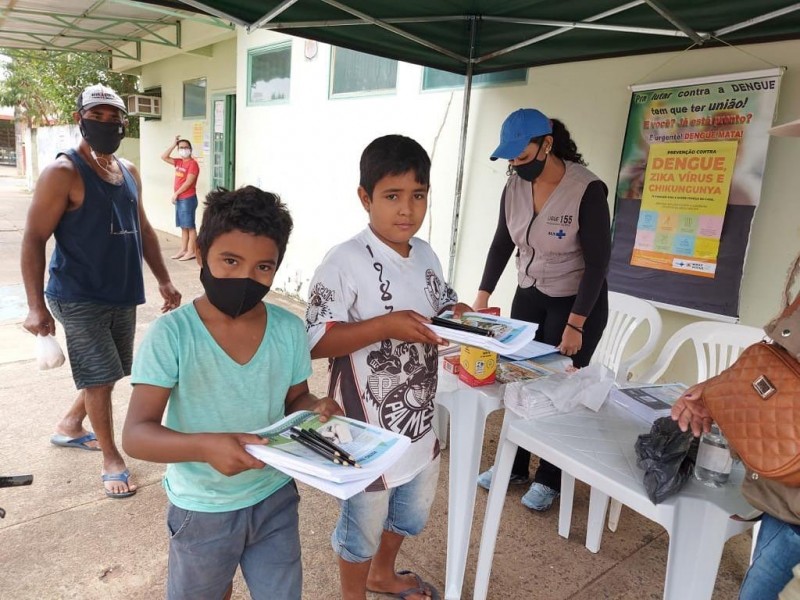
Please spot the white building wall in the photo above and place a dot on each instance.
(308, 149)
(156, 135)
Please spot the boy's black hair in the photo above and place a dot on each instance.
(178, 143)
(247, 209)
(393, 155)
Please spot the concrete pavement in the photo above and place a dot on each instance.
(62, 538)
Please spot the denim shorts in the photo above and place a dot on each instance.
(184, 212)
(99, 340)
(403, 510)
(205, 549)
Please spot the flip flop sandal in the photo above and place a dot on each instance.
(117, 477)
(64, 441)
(423, 587)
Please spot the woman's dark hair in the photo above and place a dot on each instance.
(564, 146)
(178, 143)
(247, 209)
(393, 155)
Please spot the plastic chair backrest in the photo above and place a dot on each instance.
(625, 315)
(717, 346)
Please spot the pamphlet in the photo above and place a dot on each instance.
(648, 402)
(509, 371)
(532, 349)
(507, 335)
(374, 449)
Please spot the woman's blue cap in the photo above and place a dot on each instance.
(517, 131)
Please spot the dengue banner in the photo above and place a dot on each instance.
(689, 183)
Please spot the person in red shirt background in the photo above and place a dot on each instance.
(185, 196)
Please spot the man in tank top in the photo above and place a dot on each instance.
(90, 200)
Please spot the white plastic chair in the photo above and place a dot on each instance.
(717, 346)
(626, 315)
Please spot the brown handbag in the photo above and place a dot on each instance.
(756, 401)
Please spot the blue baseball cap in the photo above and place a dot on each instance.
(517, 131)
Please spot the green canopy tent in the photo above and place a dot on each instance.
(470, 37)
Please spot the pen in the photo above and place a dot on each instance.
(328, 446)
(447, 323)
(318, 449)
(337, 449)
(306, 433)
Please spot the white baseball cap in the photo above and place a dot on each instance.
(98, 94)
(790, 129)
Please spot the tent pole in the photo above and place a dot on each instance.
(462, 150)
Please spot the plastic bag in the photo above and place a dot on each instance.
(667, 456)
(559, 393)
(48, 352)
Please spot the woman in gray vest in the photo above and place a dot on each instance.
(554, 211)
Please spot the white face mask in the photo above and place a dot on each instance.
(184, 153)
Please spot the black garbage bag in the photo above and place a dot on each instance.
(667, 456)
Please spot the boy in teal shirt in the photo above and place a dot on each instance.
(226, 364)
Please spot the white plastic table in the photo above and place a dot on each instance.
(468, 408)
(598, 449)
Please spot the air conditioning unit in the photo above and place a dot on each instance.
(144, 106)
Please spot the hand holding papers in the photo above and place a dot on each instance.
(365, 452)
(504, 335)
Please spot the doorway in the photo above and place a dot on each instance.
(223, 144)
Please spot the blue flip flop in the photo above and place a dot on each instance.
(64, 441)
(117, 477)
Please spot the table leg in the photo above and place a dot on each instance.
(506, 451)
(696, 541)
(565, 503)
(598, 503)
(467, 425)
(613, 514)
(441, 422)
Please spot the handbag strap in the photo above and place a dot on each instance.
(787, 306)
(793, 271)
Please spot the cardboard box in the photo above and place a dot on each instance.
(452, 364)
(478, 366)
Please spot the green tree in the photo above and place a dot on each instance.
(44, 85)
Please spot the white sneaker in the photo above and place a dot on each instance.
(539, 497)
(485, 479)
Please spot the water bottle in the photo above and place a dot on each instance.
(713, 465)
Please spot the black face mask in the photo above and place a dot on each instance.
(102, 137)
(233, 296)
(531, 170)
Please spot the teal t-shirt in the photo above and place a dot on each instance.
(213, 393)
